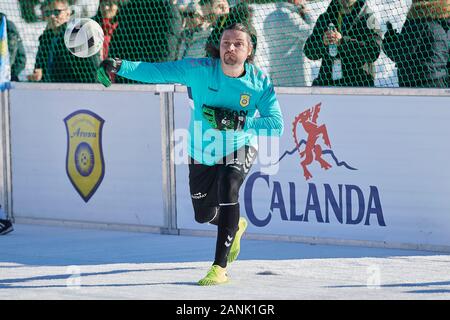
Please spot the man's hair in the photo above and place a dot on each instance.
(214, 52)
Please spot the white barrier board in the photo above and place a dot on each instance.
(387, 177)
(51, 183)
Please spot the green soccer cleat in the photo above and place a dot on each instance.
(216, 275)
(236, 246)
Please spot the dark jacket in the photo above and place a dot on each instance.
(360, 46)
(148, 31)
(17, 55)
(28, 10)
(59, 65)
(421, 50)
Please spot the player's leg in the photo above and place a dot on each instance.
(229, 183)
(227, 227)
(231, 225)
(230, 177)
(203, 188)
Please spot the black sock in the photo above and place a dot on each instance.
(227, 228)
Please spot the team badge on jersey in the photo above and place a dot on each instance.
(245, 100)
(85, 165)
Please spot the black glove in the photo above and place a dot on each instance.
(223, 119)
(106, 69)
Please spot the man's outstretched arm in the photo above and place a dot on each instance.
(164, 72)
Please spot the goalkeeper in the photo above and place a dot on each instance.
(227, 91)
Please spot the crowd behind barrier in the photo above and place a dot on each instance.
(382, 43)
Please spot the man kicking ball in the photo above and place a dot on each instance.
(227, 91)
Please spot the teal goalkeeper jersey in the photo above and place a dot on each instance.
(251, 95)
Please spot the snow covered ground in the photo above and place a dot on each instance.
(40, 262)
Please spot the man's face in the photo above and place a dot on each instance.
(234, 47)
(109, 9)
(56, 14)
(220, 7)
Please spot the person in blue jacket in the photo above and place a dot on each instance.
(234, 101)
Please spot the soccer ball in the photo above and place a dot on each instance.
(83, 37)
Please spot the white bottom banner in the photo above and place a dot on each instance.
(357, 168)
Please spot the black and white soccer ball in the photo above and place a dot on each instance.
(83, 37)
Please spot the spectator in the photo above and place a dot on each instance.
(17, 56)
(421, 50)
(29, 10)
(186, 5)
(198, 24)
(54, 63)
(286, 27)
(86, 8)
(241, 13)
(107, 17)
(149, 31)
(357, 41)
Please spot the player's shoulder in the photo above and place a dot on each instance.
(259, 77)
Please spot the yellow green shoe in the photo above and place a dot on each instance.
(236, 245)
(216, 275)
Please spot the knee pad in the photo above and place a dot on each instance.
(205, 214)
(228, 187)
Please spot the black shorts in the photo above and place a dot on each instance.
(212, 186)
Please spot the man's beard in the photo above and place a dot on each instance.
(229, 59)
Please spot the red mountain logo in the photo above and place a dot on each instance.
(313, 150)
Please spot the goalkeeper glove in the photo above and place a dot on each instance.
(223, 119)
(106, 69)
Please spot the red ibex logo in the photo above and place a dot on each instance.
(313, 150)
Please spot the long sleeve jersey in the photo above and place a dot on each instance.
(208, 85)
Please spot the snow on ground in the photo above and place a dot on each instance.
(40, 262)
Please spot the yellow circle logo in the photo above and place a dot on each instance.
(245, 100)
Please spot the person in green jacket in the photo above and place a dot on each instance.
(17, 56)
(347, 38)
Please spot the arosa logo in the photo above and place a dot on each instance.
(298, 201)
(85, 165)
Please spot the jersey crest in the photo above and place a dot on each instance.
(245, 100)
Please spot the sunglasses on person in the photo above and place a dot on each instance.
(53, 12)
